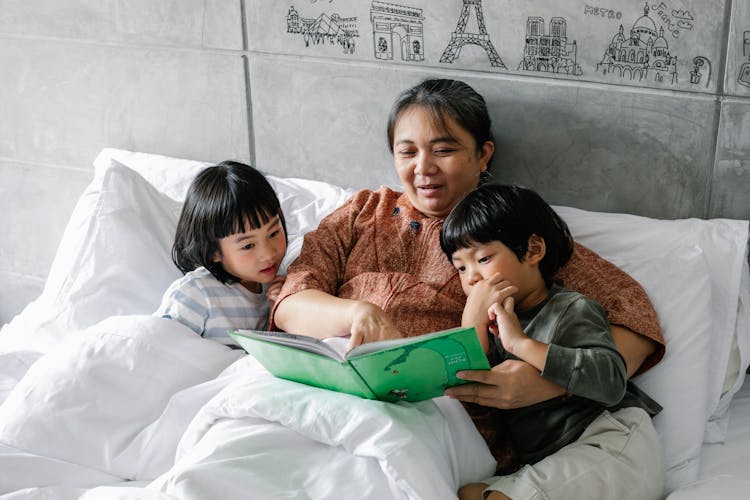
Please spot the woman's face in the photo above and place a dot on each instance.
(437, 167)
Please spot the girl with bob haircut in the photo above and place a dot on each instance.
(230, 242)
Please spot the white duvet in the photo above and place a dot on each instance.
(141, 407)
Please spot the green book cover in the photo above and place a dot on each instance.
(407, 369)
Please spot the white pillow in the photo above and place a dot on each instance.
(724, 244)
(679, 382)
(114, 258)
(690, 268)
(168, 175)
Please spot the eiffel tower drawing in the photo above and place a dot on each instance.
(460, 37)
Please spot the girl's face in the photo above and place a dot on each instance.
(255, 255)
(437, 168)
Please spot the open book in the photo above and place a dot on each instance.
(407, 369)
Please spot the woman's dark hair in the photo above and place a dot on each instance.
(509, 214)
(220, 201)
(443, 97)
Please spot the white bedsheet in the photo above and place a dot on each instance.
(732, 456)
(724, 466)
(140, 407)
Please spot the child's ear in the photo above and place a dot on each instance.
(216, 257)
(536, 249)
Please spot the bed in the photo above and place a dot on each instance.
(100, 399)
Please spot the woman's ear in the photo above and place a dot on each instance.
(488, 149)
(536, 249)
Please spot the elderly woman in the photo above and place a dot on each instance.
(374, 269)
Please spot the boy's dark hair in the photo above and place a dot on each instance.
(219, 201)
(509, 214)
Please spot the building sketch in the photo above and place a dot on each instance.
(460, 37)
(549, 52)
(324, 28)
(643, 55)
(397, 28)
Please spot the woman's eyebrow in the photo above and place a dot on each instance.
(435, 140)
(445, 138)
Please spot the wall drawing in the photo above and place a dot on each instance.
(744, 76)
(700, 62)
(460, 37)
(675, 20)
(324, 28)
(549, 52)
(601, 12)
(643, 55)
(397, 28)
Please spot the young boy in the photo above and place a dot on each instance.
(507, 243)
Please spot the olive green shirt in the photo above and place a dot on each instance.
(582, 357)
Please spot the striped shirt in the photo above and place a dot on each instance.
(209, 307)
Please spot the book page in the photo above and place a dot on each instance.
(382, 345)
(302, 342)
(338, 344)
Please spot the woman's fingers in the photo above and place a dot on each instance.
(511, 384)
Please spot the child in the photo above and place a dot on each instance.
(230, 241)
(506, 243)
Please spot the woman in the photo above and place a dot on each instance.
(374, 268)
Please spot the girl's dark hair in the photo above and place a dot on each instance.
(446, 98)
(509, 214)
(220, 200)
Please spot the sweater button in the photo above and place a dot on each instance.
(415, 225)
(396, 211)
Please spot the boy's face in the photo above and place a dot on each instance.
(255, 255)
(483, 260)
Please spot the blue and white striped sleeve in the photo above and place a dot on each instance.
(185, 302)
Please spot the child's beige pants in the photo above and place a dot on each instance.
(618, 457)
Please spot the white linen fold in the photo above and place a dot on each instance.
(141, 407)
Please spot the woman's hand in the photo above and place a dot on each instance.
(369, 324)
(511, 384)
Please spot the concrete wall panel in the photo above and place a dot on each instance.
(35, 204)
(730, 194)
(183, 23)
(69, 100)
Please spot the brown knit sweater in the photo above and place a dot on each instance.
(379, 248)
